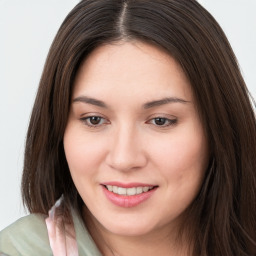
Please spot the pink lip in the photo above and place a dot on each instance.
(128, 185)
(127, 201)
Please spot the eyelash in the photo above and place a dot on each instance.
(87, 122)
(170, 122)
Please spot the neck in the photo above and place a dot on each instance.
(162, 242)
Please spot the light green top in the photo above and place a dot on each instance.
(28, 237)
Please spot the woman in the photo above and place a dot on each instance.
(142, 136)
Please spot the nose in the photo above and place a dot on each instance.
(126, 151)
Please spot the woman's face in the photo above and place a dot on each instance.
(134, 143)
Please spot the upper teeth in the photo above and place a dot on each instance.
(128, 191)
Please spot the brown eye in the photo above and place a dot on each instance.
(94, 120)
(160, 121)
(163, 121)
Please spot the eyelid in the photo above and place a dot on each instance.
(85, 117)
(162, 115)
(171, 119)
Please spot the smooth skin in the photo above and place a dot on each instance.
(133, 118)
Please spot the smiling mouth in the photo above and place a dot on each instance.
(128, 191)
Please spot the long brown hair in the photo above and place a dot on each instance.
(224, 212)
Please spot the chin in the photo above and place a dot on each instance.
(128, 230)
(129, 226)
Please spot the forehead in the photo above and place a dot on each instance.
(130, 69)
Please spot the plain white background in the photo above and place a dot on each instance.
(27, 29)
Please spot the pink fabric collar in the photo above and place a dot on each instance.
(62, 236)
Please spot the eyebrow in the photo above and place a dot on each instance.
(163, 101)
(91, 101)
(147, 105)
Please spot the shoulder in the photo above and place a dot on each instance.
(25, 237)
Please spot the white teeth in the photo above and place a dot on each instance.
(145, 189)
(139, 190)
(131, 191)
(115, 189)
(128, 191)
(121, 191)
(110, 188)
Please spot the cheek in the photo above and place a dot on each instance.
(84, 157)
(82, 152)
(182, 161)
(183, 155)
